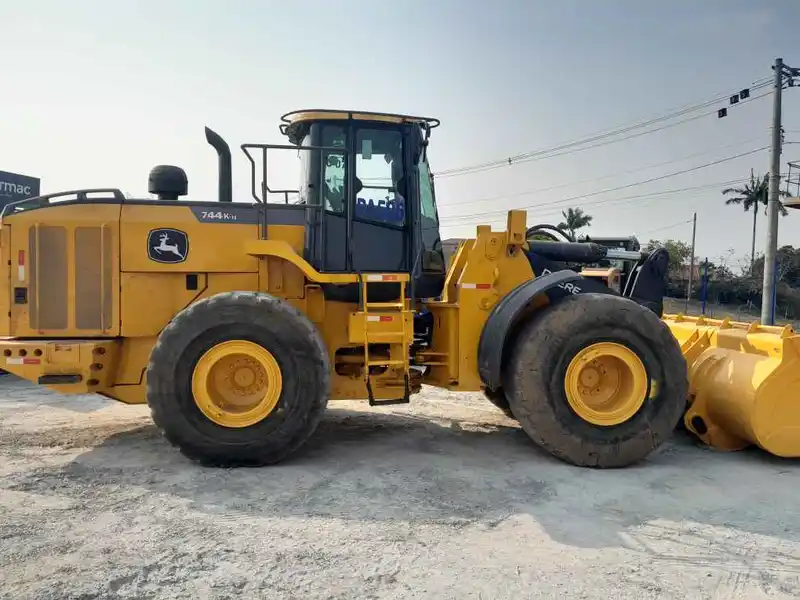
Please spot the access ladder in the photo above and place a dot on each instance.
(385, 323)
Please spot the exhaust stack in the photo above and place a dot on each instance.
(225, 178)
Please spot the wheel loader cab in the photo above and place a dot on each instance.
(368, 177)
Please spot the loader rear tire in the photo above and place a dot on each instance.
(618, 346)
(237, 345)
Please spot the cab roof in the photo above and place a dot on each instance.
(293, 121)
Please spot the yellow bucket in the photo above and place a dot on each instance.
(744, 383)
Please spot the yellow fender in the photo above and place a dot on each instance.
(744, 383)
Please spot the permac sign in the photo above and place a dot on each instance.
(15, 187)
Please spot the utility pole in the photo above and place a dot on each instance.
(705, 286)
(782, 72)
(691, 263)
(768, 290)
(755, 222)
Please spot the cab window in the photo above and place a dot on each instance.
(380, 176)
(305, 173)
(334, 169)
(426, 198)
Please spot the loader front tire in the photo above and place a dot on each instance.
(238, 379)
(498, 398)
(597, 380)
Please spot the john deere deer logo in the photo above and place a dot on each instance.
(168, 246)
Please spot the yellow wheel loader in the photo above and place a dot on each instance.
(237, 322)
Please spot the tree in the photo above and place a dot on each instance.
(720, 272)
(787, 263)
(679, 254)
(753, 193)
(574, 219)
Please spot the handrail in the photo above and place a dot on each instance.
(80, 196)
(264, 148)
(355, 115)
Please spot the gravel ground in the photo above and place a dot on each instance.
(442, 499)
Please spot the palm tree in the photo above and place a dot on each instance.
(754, 192)
(574, 219)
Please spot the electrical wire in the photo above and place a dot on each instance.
(584, 181)
(758, 84)
(603, 143)
(621, 187)
(651, 196)
(648, 195)
(664, 228)
(547, 152)
(640, 199)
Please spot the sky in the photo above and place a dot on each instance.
(95, 93)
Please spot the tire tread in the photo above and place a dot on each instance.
(191, 322)
(529, 386)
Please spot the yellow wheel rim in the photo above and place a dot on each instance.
(237, 383)
(606, 384)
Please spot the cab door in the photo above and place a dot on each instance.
(365, 224)
(380, 223)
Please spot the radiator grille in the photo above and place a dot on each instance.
(54, 263)
(48, 278)
(93, 293)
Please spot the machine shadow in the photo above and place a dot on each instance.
(400, 467)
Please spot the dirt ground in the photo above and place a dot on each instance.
(442, 499)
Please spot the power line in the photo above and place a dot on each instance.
(620, 174)
(607, 133)
(626, 186)
(608, 142)
(626, 199)
(559, 204)
(640, 200)
(630, 199)
(651, 195)
(545, 155)
(524, 157)
(664, 228)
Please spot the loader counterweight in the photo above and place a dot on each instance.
(69, 366)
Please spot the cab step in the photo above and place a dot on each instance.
(385, 363)
(390, 402)
(403, 389)
(384, 323)
(384, 305)
(59, 379)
